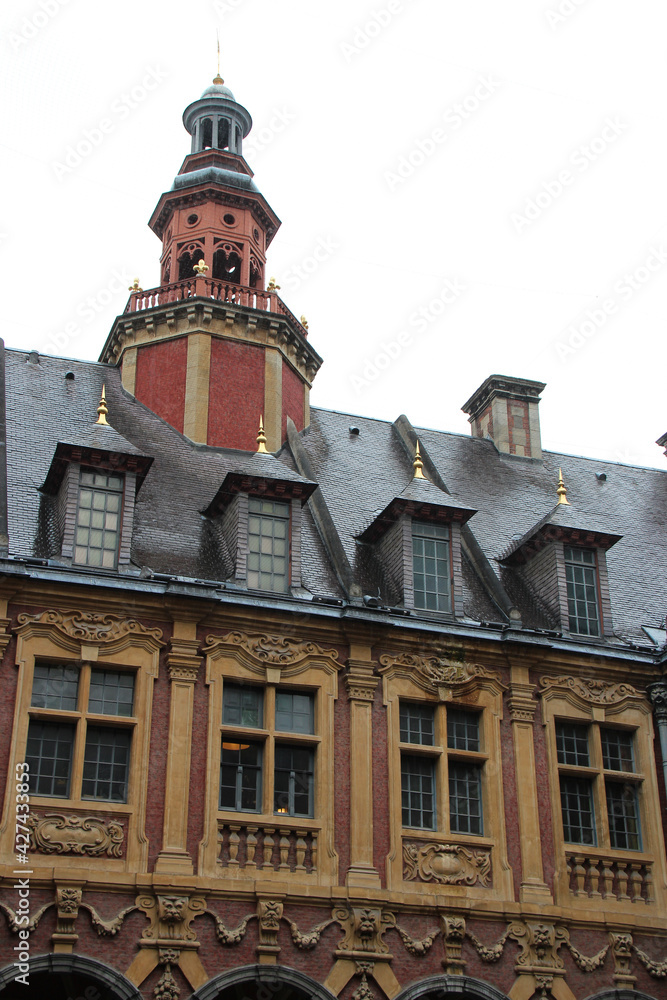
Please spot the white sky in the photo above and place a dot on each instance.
(342, 95)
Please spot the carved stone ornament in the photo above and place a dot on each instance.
(589, 689)
(621, 950)
(440, 672)
(87, 626)
(363, 990)
(305, 940)
(270, 650)
(489, 953)
(364, 927)
(235, 935)
(167, 987)
(415, 946)
(656, 969)
(453, 932)
(170, 917)
(16, 922)
(658, 694)
(107, 928)
(56, 833)
(68, 902)
(269, 914)
(539, 943)
(450, 864)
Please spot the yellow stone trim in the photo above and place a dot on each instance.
(197, 387)
(273, 398)
(128, 372)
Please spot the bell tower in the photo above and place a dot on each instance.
(212, 348)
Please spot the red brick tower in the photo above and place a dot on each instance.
(212, 348)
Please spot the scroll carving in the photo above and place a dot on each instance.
(439, 671)
(87, 626)
(591, 690)
(271, 650)
(56, 833)
(364, 927)
(450, 864)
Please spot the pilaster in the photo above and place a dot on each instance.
(273, 398)
(522, 707)
(183, 664)
(361, 683)
(197, 378)
(128, 371)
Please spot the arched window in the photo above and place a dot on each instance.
(186, 262)
(227, 265)
(206, 133)
(223, 133)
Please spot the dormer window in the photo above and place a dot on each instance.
(581, 576)
(98, 519)
(268, 545)
(431, 564)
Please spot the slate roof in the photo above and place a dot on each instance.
(358, 476)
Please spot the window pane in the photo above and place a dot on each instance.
(581, 577)
(49, 757)
(417, 792)
(623, 816)
(293, 781)
(465, 798)
(572, 744)
(106, 764)
(240, 776)
(431, 567)
(577, 807)
(462, 730)
(55, 686)
(617, 752)
(111, 692)
(242, 705)
(97, 520)
(416, 723)
(268, 523)
(294, 712)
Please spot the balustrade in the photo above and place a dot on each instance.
(278, 848)
(599, 877)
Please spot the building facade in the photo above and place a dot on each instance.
(303, 704)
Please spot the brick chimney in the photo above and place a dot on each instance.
(505, 410)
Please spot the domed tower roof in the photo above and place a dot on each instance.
(217, 120)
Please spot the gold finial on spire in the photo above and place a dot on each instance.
(261, 439)
(102, 409)
(304, 322)
(201, 268)
(418, 464)
(217, 78)
(272, 287)
(562, 491)
(135, 287)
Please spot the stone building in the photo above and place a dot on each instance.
(302, 704)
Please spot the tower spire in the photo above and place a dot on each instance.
(217, 79)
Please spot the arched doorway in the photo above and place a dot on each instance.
(454, 987)
(262, 982)
(66, 977)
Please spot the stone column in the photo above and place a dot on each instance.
(183, 664)
(361, 683)
(522, 707)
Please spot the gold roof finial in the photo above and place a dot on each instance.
(102, 409)
(217, 78)
(135, 287)
(562, 491)
(304, 322)
(418, 464)
(272, 287)
(201, 268)
(261, 439)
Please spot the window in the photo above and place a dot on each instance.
(431, 564)
(98, 519)
(71, 750)
(268, 545)
(598, 786)
(581, 576)
(261, 771)
(458, 767)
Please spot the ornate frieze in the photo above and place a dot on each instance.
(265, 650)
(89, 627)
(57, 833)
(449, 864)
(442, 673)
(590, 690)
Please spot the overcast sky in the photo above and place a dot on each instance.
(467, 187)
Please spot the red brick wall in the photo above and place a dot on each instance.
(293, 393)
(236, 395)
(160, 383)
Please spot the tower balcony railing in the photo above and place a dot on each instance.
(219, 291)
